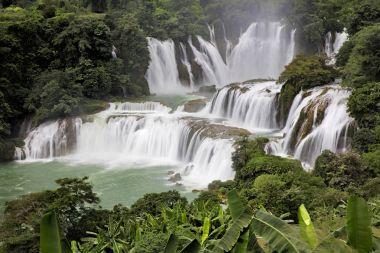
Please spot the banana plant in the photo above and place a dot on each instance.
(51, 239)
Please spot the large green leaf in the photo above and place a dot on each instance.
(235, 205)
(359, 225)
(172, 245)
(205, 229)
(242, 243)
(230, 238)
(193, 247)
(50, 235)
(333, 245)
(306, 227)
(279, 235)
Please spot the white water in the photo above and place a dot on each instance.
(136, 134)
(333, 45)
(262, 52)
(139, 107)
(251, 106)
(162, 74)
(48, 140)
(328, 131)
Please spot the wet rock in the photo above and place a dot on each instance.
(215, 130)
(207, 89)
(175, 178)
(195, 105)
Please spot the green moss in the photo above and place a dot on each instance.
(250, 161)
(92, 106)
(183, 74)
(285, 101)
(7, 150)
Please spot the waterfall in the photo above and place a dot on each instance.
(138, 107)
(162, 74)
(261, 52)
(136, 134)
(318, 120)
(49, 140)
(252, 106)
(334, 43)
(185, 61)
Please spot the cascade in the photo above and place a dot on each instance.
(261, 52)
(162, 74)
(185, 61)
(318, 120)
(138, 107)
(48, 140)
(333, 44)
(137, 134)
(249, 105)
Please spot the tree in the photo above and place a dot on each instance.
(358, 14)
(363, 63)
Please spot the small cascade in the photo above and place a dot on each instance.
(262, 52)
(334, 43)
(139, 107)
(114, 55)
(185, 61)
(49, 140)
(252, 106)
(19, 154)
(211, 155)
(318, 120)
(162, 74)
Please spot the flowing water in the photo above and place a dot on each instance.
(261, 52)
(170, 141)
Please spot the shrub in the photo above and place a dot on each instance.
(341, 171)
(153, 202)
(364, 105)
(363, 138)
(267, 165)
(303, 72)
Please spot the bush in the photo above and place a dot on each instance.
(152, 203)
(372, 160)
(245, 149)
(267, 165)
(364, 105)
(363, 138)
(345, 172)
(304, 72)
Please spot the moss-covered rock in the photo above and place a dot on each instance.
(285, 101)
(195, 105)
(207, 89)
(7, 150)
(215, 130)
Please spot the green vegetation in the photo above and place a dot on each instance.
(57, 60)
(304, 72)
